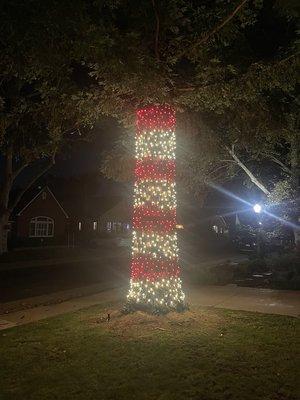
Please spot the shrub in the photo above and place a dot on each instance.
(213, 275)
(285, 271)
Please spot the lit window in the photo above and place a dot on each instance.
(79, 226)
(95, 224)
(126, 227)
(215, 228)
(108, 226)
(41, 227)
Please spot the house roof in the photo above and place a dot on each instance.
(119, 212)
(23, 207)
(72, 206)
(219, 218)
(91, 207)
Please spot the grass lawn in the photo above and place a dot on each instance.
(202, 354)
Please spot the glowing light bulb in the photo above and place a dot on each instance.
(257, 208)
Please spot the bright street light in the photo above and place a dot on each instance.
(257, 208)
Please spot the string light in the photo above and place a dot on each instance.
(156, 144)
(155, 170)
(155, 245)
(161, 194)
(155, 272)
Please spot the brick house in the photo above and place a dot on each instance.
(117, 219)
(42, 220)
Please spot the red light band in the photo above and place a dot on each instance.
(143, 267)
(155, 117)
(155, 170)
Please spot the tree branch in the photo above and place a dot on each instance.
(217, 169)
(18, 171)
(156, 30)
(218, 27)
(282, 165)
(30, 183)
(247, 171)
(289, 57)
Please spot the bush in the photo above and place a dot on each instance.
(285, 262)
(214, 275)
(224, 274)
(241, 270)
(285, 271)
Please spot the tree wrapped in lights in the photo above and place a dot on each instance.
(155, 282)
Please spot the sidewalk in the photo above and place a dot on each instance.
(230, 297)
(233, 297)
(55, 297)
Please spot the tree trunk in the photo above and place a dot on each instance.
(295, 169)
(6, 205)
(2, 250)
(3, 233)
(4, 199)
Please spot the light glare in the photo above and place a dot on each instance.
(257, 208)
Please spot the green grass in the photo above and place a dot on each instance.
(202, 354)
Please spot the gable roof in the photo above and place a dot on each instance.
(119, 212)
(219, 218)
(89, 207)
(46, 188)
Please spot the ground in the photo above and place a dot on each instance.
(204, 353)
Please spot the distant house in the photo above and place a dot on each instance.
(219, 225)
(117, 219)
(98, 215)
(41, 220)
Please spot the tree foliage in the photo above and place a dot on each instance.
(228, 67)
(231, 76)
